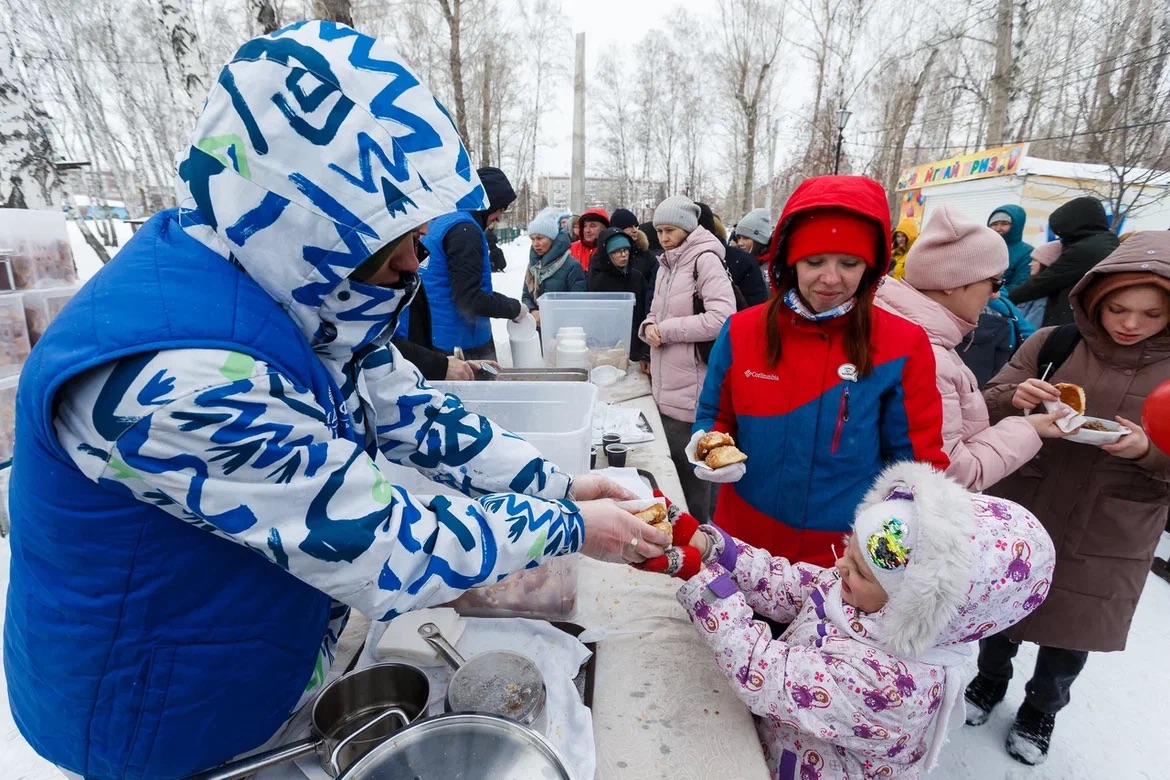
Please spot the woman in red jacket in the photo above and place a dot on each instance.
(820, 388)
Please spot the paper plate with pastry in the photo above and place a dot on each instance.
(1096, 431)
(710, 441)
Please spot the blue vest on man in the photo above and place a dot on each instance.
(449, 328)
(137, 646)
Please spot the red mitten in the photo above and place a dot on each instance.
(682, 562)
(683, 525)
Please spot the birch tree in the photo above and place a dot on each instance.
(28, 179)
(175, 19)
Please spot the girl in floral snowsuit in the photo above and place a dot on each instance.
(865, 680)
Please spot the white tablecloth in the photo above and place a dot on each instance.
(661, 708)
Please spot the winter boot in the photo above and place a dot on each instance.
(1028, 740)
(981, 697)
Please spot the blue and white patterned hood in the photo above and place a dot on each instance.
(317, 146)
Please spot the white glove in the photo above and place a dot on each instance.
(732, 473)
(523, 315)
(614, 535)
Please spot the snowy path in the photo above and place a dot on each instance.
(1114, 729)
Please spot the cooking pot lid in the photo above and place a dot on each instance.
(463, 746)
(498, 682)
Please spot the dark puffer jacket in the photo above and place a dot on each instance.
(604, 276)
(1083, 229)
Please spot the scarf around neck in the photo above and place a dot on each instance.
(792, 300)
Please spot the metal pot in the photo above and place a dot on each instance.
(467, 745)
(353, 714)
(497, 682)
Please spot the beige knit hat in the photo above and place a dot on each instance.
(954, 252)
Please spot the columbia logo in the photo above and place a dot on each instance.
(758, 375)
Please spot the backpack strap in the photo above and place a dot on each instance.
(1056, 349)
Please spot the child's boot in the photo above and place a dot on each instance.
(981, 697)
(1030, 735)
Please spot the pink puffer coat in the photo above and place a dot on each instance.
(676, 371)
(981, 453)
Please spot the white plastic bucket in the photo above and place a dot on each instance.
(526, 351)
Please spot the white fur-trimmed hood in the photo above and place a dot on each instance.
(980, 564)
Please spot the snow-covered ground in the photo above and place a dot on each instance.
(1114, 729)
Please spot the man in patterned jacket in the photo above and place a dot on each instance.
(196, 503)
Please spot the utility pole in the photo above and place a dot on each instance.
(577, 186)
(771, 165)
(1001, 79)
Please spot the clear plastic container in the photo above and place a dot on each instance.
(548, 592)
(14, 337)
(7, 418)
(42, 306)
(606, 318)
(36, 245)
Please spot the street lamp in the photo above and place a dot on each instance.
(843, 115)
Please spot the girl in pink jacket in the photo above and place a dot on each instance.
(951, 272)
(691, 270)
(866, 680)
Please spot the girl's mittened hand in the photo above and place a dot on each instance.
(681, 562)
(1032, 392)
(1133, 445)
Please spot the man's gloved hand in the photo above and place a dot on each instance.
(684, 558)
(614, 535)
(732, 473)
(590, 487)
(523, 315)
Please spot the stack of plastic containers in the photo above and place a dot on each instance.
(586, 330)
(37, 279)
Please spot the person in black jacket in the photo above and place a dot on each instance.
(641, 257)
(744, 269)
(1083, 229)
(413, 339)
(654, 248)
(611, 270)
(499, 262)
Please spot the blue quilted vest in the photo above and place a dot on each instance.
(137, 646)
(449, 328)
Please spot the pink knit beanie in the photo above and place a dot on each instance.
(953, 252)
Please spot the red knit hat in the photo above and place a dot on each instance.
(832, 231)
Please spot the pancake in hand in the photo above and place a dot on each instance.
(1073, 395)
(721, 457)
(711, 440)
(655, 516)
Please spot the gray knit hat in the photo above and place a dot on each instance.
(677, 210)
(544, 224)
(757, 225)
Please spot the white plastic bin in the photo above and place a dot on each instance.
(607, 319)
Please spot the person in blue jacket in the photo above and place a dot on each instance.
(458, 274)
(1009, 222)
(195, 500)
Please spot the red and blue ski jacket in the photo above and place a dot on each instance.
(816, 441)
